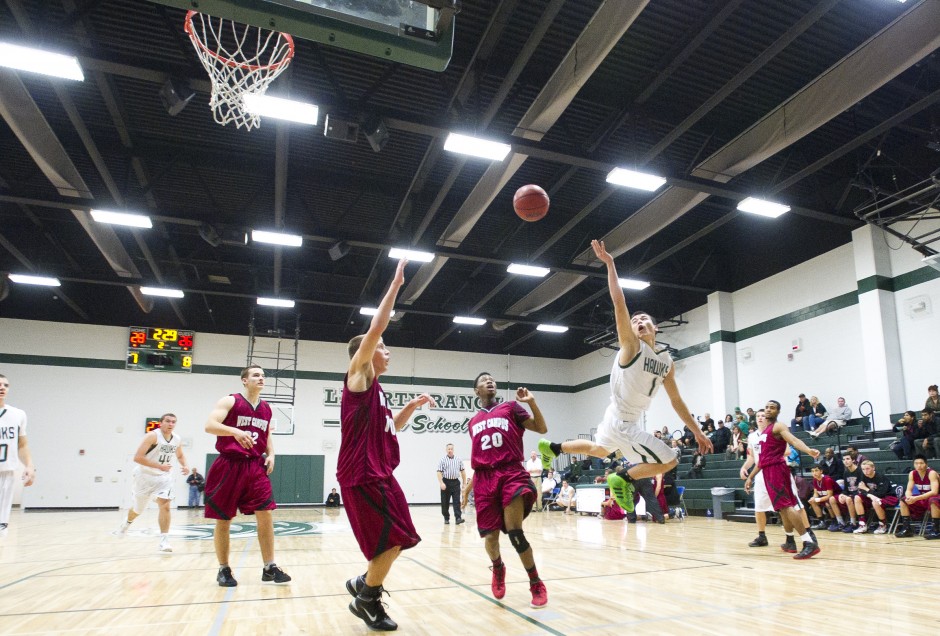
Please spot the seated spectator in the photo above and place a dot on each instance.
(836, 419)
(548, 486)
(803, 410)
(698, 464)
(751, 418)
(852, 477)
(904, 444)
(735, 448)
(665, 432)
(932, 405)
(706, 419)
(722, 437)
(676, 448)
(921, 496)
(924, 431)
(740, 420)
(658, 434)
(332, 499)
(566, 498)
(857, 457)
(816, 417)
(874, 493)
(825, 493)
(611, 511)
(831, 464)
(793, 460)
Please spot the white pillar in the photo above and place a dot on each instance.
(724, 365)
(884, 373)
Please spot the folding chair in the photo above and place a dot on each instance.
(552, 497)
(681, 506)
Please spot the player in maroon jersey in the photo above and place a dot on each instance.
(503, 492)
(921, 496)
(825, 497)
(368, 453)
(778, 481)
(238, 478)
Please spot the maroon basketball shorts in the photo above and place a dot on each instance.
(886, 501)
(493, 491)
(920, 508)
(237, 483)
(780, 487)
(379, 516)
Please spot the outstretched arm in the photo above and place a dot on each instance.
(361, 372)
(535, 423)
(628, 340)
(405, 414)
(781, 429)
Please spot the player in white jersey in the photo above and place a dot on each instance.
(153, 478)
(13, 449)
(638, 372)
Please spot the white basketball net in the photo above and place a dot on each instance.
(241, 60)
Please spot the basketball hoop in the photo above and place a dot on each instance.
(241, 60)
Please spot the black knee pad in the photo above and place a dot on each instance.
(518, 541)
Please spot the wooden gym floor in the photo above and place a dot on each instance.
(63, 573)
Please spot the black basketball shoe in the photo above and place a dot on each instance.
(274, 575)
(759, 542)
(372, 612)
(789, 545)
(355, 585)
(225, 577)
(810, 548)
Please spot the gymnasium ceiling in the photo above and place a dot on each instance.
(674, 93)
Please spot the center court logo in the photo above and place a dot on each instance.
(248, 530)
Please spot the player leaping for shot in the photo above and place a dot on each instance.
(638, 372)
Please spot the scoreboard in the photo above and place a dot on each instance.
(160, 349)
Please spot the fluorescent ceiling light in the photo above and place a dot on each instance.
(121, 218)
(277, 238)
(632, 283)
(484, 148)
(280, 108)
(276, 302)
(763, 207)
(527, 270)
(27, 279)
(162, 291)
(552, 328)
(636, 180)
(23, 58)
(411, 255)
(467, 320)
(371, 311)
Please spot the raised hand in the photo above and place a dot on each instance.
(399, 279)
(601, 252)
(523, 395)
(423, 399)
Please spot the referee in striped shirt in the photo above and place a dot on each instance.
(450, 476)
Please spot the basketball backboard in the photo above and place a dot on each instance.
(405, 31)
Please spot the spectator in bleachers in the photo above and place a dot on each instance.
(836, 419)
(831, 465)
(817, 417)
(852, 477)
(665, 432)
(874, 493)
(803, 410)
(676, 447)
(904, 445)
(924, 431)
(548, 485)
(722, 437)
(857, 457)
(825, 492)
(688, 437)
(751, 418)
(932, 405)
(698, 465)
(741, 423)
(736, 449)
(566, 497)
(921, 496)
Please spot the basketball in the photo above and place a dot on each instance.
(530, 203)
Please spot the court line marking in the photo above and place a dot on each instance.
(227, 599)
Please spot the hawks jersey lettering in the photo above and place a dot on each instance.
(368, 448)
(921, 484)
(12, 425)
(632, 387)
(244, 416)
(824, 484)
(162, 452)
(772, 448)
(496, 435)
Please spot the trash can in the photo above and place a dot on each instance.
(720, 494)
